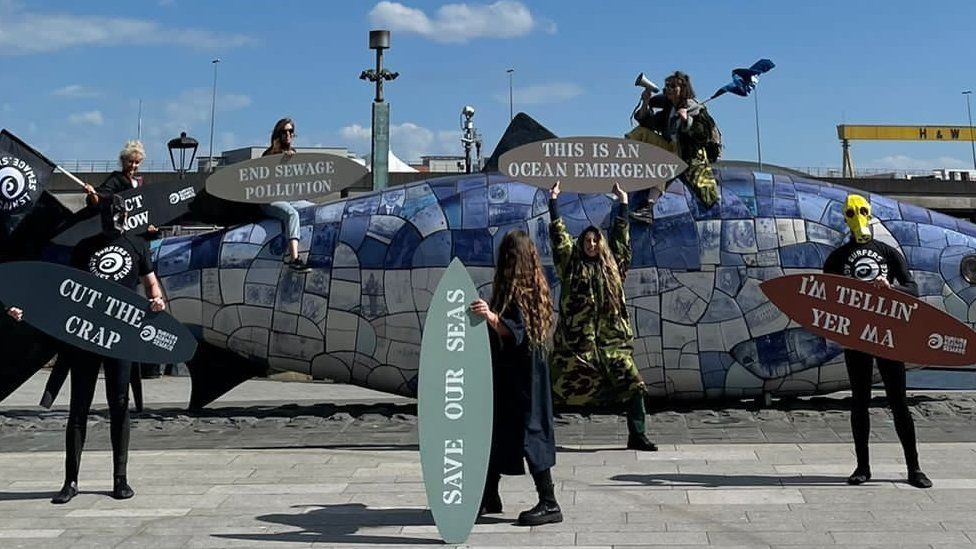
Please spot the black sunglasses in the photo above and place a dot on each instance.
(288, 130)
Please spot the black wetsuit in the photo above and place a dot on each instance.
(867, 262)
(122, 259)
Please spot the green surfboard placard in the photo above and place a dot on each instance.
(454, 405)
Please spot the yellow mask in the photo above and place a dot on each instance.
(857, 213)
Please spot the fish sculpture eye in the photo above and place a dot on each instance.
(967, 268)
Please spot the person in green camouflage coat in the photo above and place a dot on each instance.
(592, 359)
(683, 127)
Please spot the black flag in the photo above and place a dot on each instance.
(24, 174)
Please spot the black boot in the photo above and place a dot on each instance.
(918, 479)
(639, 441)
(121, 488)
(491, 501)
(859, 476)
(68, 491)
(547, 511)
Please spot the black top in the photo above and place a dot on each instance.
(869, 261)
(120, 258)
(115, 183)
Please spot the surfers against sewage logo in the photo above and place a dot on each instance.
(111, 263)
(18, 183)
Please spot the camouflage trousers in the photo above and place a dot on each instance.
(699, 175)
(608, 376)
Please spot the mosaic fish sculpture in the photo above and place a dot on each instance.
(703, 328)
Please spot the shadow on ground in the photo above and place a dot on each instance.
(342, 523)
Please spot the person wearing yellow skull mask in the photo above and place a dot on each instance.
(864, 258)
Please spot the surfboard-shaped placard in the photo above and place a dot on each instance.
(93, 314)
(152, 204)
(279, 177)
(454, 405)
(881, 321)
(591, 164)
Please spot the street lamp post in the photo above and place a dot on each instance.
(969, 112)
(379, 40)
(511, 111)
(213, 110)
(182, 144)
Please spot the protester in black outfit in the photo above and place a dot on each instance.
(866, 259)
(520, 318)
(124, 259)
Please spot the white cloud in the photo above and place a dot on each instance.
(24, 33)
(459, 22)
(74, 91)
(93, 118)
(542, 94)
(408, 140)
(902, 163)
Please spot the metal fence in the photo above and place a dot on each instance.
(101, 166)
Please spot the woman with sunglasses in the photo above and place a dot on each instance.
(282, 139)
(682, 131)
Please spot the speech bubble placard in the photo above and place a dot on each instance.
(279, 177)
(93, 314)
(589, 164)
(454, 405)
(881, 321)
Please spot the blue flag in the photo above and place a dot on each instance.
(745, 80)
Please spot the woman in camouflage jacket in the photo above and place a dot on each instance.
(592, 360)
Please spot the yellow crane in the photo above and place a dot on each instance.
(846, 133)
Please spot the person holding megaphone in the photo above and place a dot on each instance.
(676, 122)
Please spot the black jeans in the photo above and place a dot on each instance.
(892, 372)
(84, 375)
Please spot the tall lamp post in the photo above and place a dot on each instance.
(379, 40)
(213, 110)
(183, 143)
(511, 111)
(969, 112)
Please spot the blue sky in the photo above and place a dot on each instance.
(74, 72)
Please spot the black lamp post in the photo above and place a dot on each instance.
(182, 143)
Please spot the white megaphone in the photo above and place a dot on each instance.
(644, 82)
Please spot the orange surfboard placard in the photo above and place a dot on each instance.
(881, 321)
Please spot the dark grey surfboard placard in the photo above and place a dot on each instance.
(454, 405)
(591, 164)
(153, 204)
(301, 176)
(92, 314)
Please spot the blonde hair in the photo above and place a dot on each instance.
(129, 149)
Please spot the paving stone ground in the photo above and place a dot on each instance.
(344, 472)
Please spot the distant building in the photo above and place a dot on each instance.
(440, 164)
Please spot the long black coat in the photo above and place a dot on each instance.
(522, 426)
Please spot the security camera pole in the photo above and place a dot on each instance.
(379, 40)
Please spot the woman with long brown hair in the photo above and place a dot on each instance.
(593, 353)
(520, 320)
(282, 139)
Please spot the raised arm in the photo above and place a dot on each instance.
(620, 233)
(562, 242)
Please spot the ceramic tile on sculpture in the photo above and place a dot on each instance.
(182, 285)
(401, 250)
(250, 341)
(397, 291)
(710, 337)
(208, 311)
(264, 271)
(340, 334)
(366, 339)
(429, 220)
(326, 366)
(344, 295)
(239, 234)
(259, 294)
(255, 316)
(710, 238)
(227, 320)
(682, 306)
(189, 311)
(232, 285)
(297, 347)
(739, 236)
